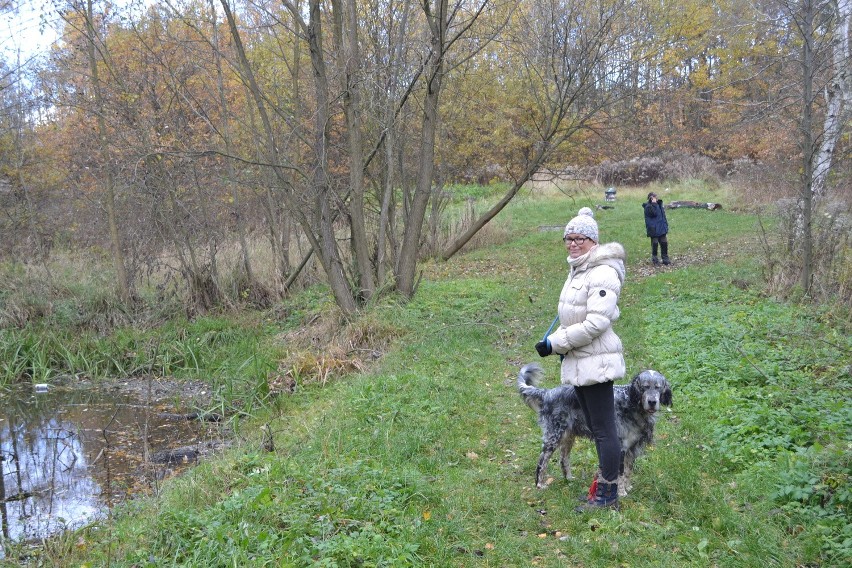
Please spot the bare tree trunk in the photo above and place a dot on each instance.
(288, 227)
(329, 252)
(19, 125)
(118, 260)
(391, 128)
(346, 24)
(495, 209)
(278, 224)
(818, 149)
(384, 214)
(323, 240)
(226, 135)
(437, 17)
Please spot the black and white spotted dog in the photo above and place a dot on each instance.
(562, 420)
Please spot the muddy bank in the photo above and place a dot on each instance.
(191, 395)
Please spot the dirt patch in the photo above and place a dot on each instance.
(180, 394)
(694, 258)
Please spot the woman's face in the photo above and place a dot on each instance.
(578, 245)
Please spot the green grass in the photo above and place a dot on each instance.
(428, 458)
(232, 354)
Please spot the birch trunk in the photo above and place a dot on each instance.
(118, 260)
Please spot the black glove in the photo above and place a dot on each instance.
(543, 347)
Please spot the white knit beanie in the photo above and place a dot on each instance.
(583, 224)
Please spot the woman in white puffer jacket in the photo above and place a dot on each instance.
(592, 353)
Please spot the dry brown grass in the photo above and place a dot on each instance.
(328, 347)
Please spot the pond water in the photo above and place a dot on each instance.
(68, 455)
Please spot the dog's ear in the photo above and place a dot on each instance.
(634, 393)
(666, 397)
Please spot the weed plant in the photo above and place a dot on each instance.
(427, 458)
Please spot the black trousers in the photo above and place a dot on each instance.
(599, 408)
(663, 242)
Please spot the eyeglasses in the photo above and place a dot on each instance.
(576, 240)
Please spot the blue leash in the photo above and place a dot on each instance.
(549, 329)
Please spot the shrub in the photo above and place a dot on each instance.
(671, 166)
(831, 229)
(814, 488)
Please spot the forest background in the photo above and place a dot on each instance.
(197, 155)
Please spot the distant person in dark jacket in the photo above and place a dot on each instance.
(657, 228)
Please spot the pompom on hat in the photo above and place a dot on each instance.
(583, 224)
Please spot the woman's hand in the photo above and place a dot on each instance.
(543, 347)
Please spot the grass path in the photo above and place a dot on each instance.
(428, 458)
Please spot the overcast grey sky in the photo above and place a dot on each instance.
(28, 31)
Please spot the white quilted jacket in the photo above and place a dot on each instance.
(588, 306)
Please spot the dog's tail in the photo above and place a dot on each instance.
(528, 380)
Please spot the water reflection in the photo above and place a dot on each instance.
(66, 456)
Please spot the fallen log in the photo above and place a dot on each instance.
(186, 454)
(17, 497)
(693, 205)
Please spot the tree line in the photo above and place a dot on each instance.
(217, 148)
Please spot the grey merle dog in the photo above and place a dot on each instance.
(561, 419)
